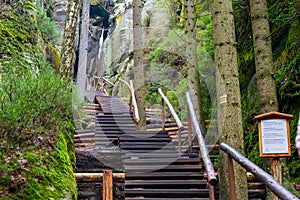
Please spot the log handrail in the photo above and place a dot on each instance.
(102, 87)
(259, 173)
(175, 116)
(133, 103)
(108, 81)
(203, 150)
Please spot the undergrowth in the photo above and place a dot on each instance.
(36, 129)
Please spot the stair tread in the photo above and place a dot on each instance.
(166, 191)
(163, 174)
(153, 160)
(139, 140)
(163, 167)
(164, 182)
(155, 198)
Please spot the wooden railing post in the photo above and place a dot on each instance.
(163, 114)
(107, 185)
(179, 141)
(211, 192)
(134, 103)
(190, 140)
(231, 178)
(259, 173)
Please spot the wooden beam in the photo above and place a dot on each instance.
(97, 177)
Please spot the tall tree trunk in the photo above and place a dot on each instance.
(228, 91)
(139, 76)
(192, 64)
(69, 40)
(266, 86)
(263, 57)
(83, 49)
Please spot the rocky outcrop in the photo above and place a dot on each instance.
(118, 47)
(59, 16)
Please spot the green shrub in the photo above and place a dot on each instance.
(36, 153)
(37, 100)
(47, 27)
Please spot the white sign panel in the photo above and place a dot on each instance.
(274, 136)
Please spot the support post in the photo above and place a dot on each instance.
(211, 192)
(107, 185)
(190, 141)
(231, 178)
(276, 173)
(179, 141)
(163, 114)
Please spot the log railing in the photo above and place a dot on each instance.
(164, 100)
(132, 102)
(103, 84)
(260, 174)
(203, 150)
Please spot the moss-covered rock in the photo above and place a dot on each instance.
(36, 149)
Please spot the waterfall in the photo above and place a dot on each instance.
(101, 43)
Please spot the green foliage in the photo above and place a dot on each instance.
(36, 149)
(49, 101)
(47, 27)
(205, 33)
(35, 118)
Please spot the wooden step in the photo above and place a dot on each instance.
(166, 160)
(112, 121)
(166, 183)
(149, 145)
(125, 139)
(115, 127)
(162, 167)
(155, 198)
(168, 192)
(165, 175)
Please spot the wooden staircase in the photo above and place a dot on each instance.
(153, 168)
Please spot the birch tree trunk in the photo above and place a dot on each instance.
(139, 76)
(192, 64)
(69, 40)
(263, 57)
(83, 49)
(228, 91)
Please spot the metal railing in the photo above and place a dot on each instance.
(203, 150)
(164, 100)
(259, 173)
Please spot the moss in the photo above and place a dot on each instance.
(36, 150)
(53, 56)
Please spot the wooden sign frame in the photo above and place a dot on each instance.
(274, 134)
